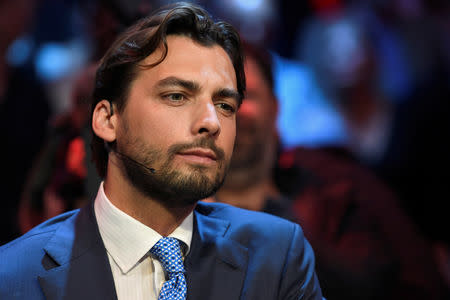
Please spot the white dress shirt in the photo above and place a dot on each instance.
(137, 275)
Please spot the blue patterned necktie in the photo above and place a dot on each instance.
(168, 251)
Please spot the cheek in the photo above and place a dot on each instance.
(155, 128)
(166, 123)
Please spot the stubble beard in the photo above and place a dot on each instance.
(172, 187)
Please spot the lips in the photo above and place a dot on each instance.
(200, 152)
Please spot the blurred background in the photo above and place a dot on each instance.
(370, 77)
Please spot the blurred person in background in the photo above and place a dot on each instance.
(342, 58)
(384, 65)
(59, 180)
(24, 113)
(366, 246)
(418, 153)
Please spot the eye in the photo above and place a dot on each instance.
(175, 97)
(230, 109)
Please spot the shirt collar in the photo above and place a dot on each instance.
(126, 239)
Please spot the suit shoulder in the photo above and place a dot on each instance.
(243, 221)
(237, 214)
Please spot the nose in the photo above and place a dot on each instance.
(206, 121)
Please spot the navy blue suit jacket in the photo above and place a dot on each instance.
(234, 254)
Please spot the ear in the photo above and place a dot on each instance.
(104, 122)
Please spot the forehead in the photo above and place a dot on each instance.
(192, 61)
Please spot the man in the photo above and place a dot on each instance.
(361, 237)
(163, 118)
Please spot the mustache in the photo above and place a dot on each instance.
(205, 143)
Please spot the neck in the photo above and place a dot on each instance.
(252, 197)
(148, 211)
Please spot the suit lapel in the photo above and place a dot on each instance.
(215, 265)
(79, 267)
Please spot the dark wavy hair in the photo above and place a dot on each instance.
(119, 66)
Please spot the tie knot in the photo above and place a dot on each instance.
(168, 251)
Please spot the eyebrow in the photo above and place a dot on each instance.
(193, 86)
(173, 81)
(229, 93)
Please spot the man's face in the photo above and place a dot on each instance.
(256, 120)
(180, 120)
